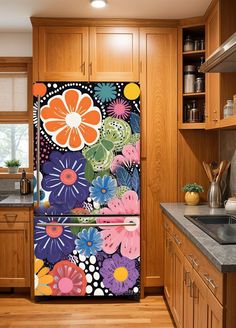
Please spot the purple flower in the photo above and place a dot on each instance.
(119, 274)
(53, 242)
(64, 178)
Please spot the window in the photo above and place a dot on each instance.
(14, 141)
(15, 113)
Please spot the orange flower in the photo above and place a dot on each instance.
(72, 120)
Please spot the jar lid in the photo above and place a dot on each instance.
(189, 68)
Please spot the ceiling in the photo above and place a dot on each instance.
(15, 13)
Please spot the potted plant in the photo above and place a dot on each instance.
(192, 191)
(13, 165)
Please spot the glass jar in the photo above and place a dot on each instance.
(188, 44)
(189, 78)
(199, 84)
(202, 44)
(194, 113)
(228, 108)
(196, 45)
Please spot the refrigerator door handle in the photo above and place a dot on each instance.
(38, 152)
(126, 224)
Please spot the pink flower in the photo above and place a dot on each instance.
(126, 236)
(131, 154)
(119, 108)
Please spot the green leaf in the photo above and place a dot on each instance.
(100, 153)
(89, 173)
(76, 230)
(107, 144)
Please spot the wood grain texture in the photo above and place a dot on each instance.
(150, 312)
(159, 62)
(63, 54)
(114, 54)
(193, 148)
(14, 254)
(212, 80)
(103, 22)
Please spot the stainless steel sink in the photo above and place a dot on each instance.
(2, 197)
(222, 228)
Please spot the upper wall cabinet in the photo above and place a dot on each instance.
(86, 53)
(62, 53)
(114, 54)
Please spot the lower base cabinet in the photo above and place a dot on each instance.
(14, 248)
(192, 303)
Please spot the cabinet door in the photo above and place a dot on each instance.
(14, 255)
(177, 276)
(213, 80)
(168, 268)
(215, 312)
(114, 54)
(199, 303)
(188, 296)
(158, 48)
(63, 54)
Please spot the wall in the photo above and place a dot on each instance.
(15, 44)
(228, 152)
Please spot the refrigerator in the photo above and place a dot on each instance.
(86, 189)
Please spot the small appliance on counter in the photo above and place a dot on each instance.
(87, 189)
(230, 205)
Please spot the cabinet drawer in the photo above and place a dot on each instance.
(10, 215)
(211, 276)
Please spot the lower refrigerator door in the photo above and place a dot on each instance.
(87, 256)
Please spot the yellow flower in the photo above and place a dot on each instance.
(41, 279)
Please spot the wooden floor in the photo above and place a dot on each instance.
(150, 312)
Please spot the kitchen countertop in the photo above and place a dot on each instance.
(17, 200)
(222, 256)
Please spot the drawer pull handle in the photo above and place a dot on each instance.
(187, 279)
(193, 261)
(210, 281)
(178, 242)
(191, 289)
(127, 224)
(10, 217)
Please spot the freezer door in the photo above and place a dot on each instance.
(87, 256)
(87, 148)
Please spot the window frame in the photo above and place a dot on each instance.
(19, 64)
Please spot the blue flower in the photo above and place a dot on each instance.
(105, 91)
(103, 189)
(64, 178)
(89, 242)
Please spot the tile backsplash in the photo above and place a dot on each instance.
(228, 152)
(8, 185)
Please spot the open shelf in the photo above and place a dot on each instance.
(194, 53)
(228, 122)
(192, 126)
(195, 94)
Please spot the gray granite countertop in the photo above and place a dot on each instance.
(222, 256)
(15, 200)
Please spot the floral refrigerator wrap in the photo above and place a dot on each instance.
(87, 189)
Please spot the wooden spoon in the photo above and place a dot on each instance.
(208, 171)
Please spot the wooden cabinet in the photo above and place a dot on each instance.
(213, 80)
(191, 95)
(191, 300)
(72, 53)
(15, 248)
(220, 25)
(62, 53)
(158, 54)
(114, 54)
(177, 281)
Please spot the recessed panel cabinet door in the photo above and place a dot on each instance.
(63, 54)
(114, 54)
(14, 254)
